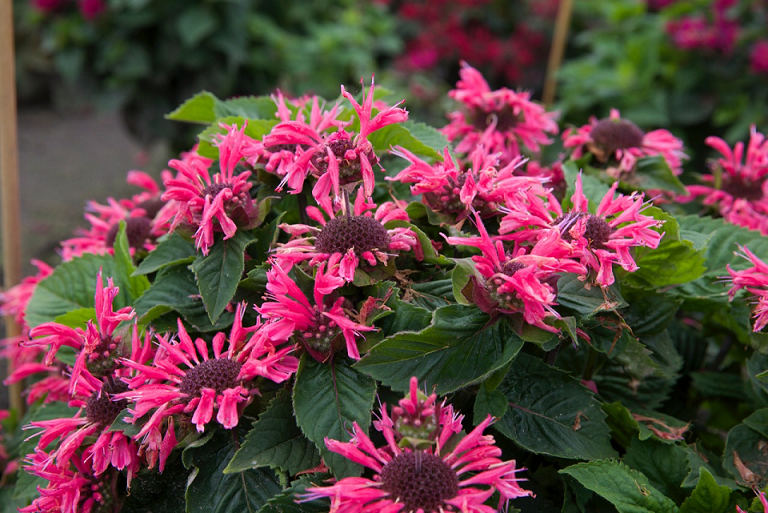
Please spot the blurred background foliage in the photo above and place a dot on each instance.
(697, 68)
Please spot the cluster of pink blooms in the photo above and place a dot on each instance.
(716, 32)
(618, 143)
(424, 464)
(738, 185)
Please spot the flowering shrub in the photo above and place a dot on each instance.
(327, 306)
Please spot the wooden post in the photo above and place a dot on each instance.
(9, 179)
(556, 52)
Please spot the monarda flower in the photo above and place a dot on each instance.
(500, 120)
(755, 280)
(521, 281)
(74, 488)
(320, 325)
(183, 378)
(738, 186)
(98, 346)
(350, 238)
(339, 158)
(456, 189)
(414, 471)
(618, 143)
(278, 159)
(213, 204)
(138, 212)
(599, 240)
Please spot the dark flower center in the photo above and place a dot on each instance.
(420, 481)
(151, 206)
(505, 119)
(321, 337)
(101, 359)
(101, 409)
(597, 230)
(738, 187)
(349, 170)
(616, 134)
(218, 374)
(137, 229)
(360, 233)
(214, 189)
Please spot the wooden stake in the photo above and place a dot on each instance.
(9, 179)
(556, 52)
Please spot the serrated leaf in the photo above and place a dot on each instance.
(71, 286)
(418, 138)
(653, 173)
(286, 501)
(175, 289)
(431, 295)
(489, 402)
(171, 250)
(707, 497)
(275, 441)
(76, 318)
(407, 317)
(627, 489)
(327, 399)
(124, 268)
(248, 107)
(624, 424)
(198, 109)
(664, 465)
(212, 491)
(458, 349)
(744, 455)
(587, 300)
(552, 413)
(220, 271)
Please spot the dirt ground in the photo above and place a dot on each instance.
(64, 161)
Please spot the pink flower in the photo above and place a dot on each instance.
(521, 281)
(758, 57)
(738, 190)
(763, 501)
(456, 189)
(500, 120)
(278, 159)
(74, 488)
(321, 325)
(183, 378)
(755, 280)
(408, 477)
(14, 300)
(619, 143)
(599, 240)
(98, 346)
(218, 204)
(139, 213)
(349, 239)
(336, 159)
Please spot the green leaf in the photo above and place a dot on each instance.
(419, 138)
(460, 278)
(552, 413)
(276, 441)
(707, 497)
(743, 448)
(172, 249)
(175, 288)
(124, 268)
(664, 465)
(407, 317)
(587, 300)
(627, 489)
(211, 491)
(220, 271)
(327, 399)
(71, 286)
(76, 318)
(594, 189)
(489, 402)
(459, 348)
(654, 173)
(248, 107)
(198, 109)
(431, 295)
(286, 501)
(129, 429)
(624, 425)
(430, 255)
